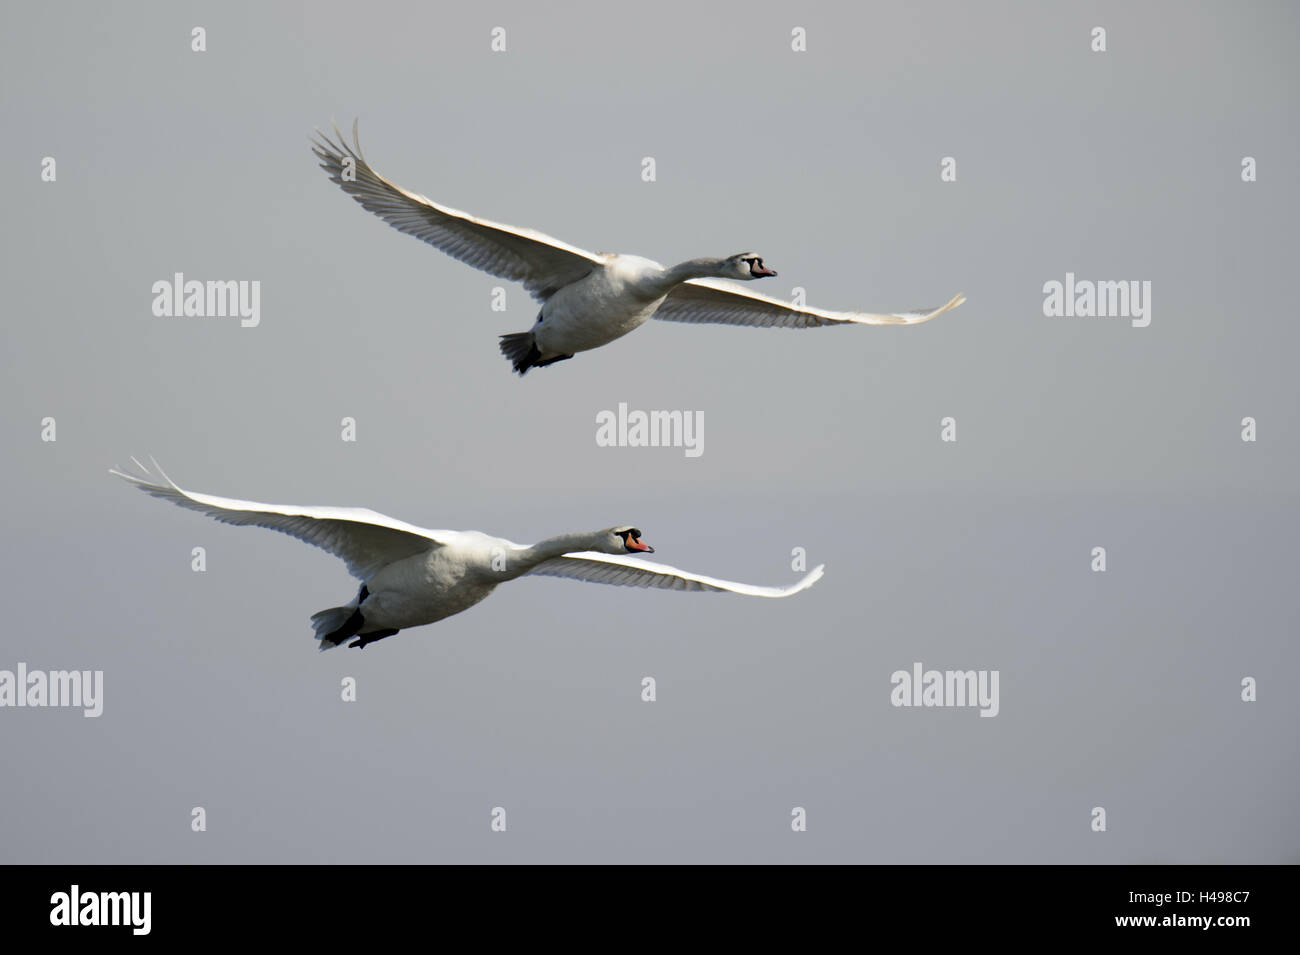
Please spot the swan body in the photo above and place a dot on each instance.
(588, 299)
(412, 575)
(425, 588)
(605, 304)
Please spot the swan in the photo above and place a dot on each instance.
(411, 576)
(588, 299)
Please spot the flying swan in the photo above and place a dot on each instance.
(588, 299)
(412, 576)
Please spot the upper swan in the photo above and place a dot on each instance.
(588, 299)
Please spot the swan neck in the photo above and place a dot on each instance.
(557, 547)
(693, 269)
(699, 269)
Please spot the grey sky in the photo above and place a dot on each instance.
(1118, 690)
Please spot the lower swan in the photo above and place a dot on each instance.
(411, 576)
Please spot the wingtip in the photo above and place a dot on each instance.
(127, 475)
(143, 479)
(163, 474)
(948, 306)
(952, 303)
(806, 581)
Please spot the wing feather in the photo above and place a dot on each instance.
(719, 302)
(632, 572)
(542, 263)
(363, 539)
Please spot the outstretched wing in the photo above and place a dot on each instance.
(630, 572)
(715, 301)
(541, 263)
(363, 539)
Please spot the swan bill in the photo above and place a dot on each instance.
(632, 542)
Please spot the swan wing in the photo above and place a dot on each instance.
(363, 539)
(716, 301)
(632, 572)
(541, 263)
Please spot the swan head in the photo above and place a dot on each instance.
(626, 540)
(747, 266)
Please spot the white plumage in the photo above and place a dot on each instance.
(412, 576)
(588, 299)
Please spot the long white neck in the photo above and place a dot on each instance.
(690, 269)
(527, 558)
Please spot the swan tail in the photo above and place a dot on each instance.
(520, 350)
(335, 625)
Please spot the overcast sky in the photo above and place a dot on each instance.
(1119, 689)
